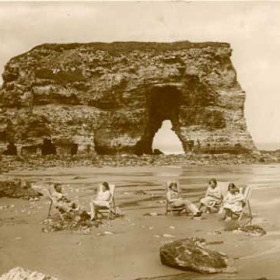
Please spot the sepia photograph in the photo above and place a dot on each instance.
(139, 140)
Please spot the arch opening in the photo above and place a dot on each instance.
(166, 140)
(162, 104)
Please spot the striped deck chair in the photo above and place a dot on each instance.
(246, 210)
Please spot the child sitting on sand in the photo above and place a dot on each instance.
(175, 200)
(233, 202)
(213, 196)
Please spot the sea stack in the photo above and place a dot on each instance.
(111, 98)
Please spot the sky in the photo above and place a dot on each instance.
(252, 29)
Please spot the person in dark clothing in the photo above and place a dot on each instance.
(11, 149)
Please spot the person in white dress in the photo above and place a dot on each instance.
(102, 199)
(174, 198)
(212, 197)
(233, 202)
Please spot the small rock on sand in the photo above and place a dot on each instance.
(153, 214)
(252, 230)
(168, 235)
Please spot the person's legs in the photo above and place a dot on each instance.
(228, 213)
(93, 210)
(190, 206)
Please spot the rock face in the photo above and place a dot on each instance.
(112, 98)
(189, 254)
(19, 273)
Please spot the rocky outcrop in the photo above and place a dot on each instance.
(18, 189)
(112, 98)
(19, 273)
(253, 230)
(190, 254)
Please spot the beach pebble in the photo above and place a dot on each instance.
(151, 228)
(166, 235)
(171, 227)
(107, 232)
(153, 214)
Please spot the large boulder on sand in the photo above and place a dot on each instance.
(190, 254)
(18, 273)
(16, 188)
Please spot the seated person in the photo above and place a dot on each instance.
(61, 202)
(176, 200)
(212, 197)
(102, 200)
(233, 202)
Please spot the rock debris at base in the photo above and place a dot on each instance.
(8, 163)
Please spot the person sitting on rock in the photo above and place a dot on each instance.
(213, 196)
(102, 200)
(174, 198)
(233, 202)
(61, 202)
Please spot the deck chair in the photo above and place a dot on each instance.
(169, 207)
(246, 210)
(52, 200)
(223, 187)
(109, 210)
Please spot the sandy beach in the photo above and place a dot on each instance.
(127, 248)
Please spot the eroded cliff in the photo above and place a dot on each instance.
(112, 98)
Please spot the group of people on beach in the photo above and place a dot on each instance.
(64, 205)
(231, 204)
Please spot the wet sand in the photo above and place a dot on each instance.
(132, 250)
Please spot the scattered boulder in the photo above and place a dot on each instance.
(77, 222)
(19, 273)
(253, 230)
(191, 255)
(18, 189)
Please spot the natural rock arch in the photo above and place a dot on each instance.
(112, 97)
(162, 104)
